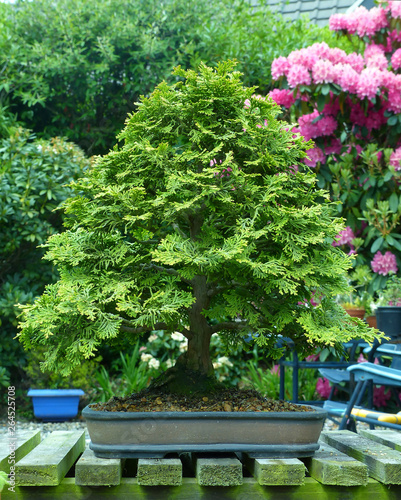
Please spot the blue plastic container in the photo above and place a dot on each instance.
(55, 405)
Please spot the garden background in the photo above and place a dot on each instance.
(70, 72)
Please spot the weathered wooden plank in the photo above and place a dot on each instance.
(389, 438)
(129, 489)
(50, 461)
(93, 471)
(275, 471)
(14, 448)
(218, 471)
(331, 467)
(159, 472)
(384, 464)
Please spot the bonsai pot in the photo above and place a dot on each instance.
(356, 313)
(154, 434)
(389, 321)
(55, 405)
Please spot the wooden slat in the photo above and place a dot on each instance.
(190, 490)
(159, 472)
(93, 471)
(330, 466)
(275, 471)
(219, 471)
(389, 438)
(384, 464)
(22, 443)
(50, 461)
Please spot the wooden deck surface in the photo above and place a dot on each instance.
(366, 465)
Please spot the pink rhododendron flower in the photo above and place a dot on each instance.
(323, 71)
(275, 370)
(356, 61)
(305, 57)
(315, 155)
(395, 159)
(369, 82)
(344, 237)
(381, 396)
(336, 56)
(323, 387)
(384, 264)
(298, 75)
(311, 129)
(280, 67)
(361, 359)
(395, 9)
(334, 147)
(375, 58)
(348, 79)
(396, 59)
(282, 97)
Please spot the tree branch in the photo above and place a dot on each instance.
(229, 325)
(166, 270)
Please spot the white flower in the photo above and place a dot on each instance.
(154, 363)
(152, 338)
(169, 363)
(223, 360)
(183, 346)
(178, 336)
(146, 357)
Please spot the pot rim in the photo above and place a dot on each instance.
(317, 414)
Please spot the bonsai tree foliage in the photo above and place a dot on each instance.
(350, 105)
(204, 222)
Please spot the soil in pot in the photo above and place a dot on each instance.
(229, 399)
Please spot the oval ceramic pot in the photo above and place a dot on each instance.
(55, 405)
(154, 434)
(389, 321)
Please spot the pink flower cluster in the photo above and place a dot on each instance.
(384, 264)
(344, 237)
(316, 125)
(396, 60)
(395, 159)
(283, 97)
(361, 21)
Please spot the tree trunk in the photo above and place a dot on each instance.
(193, 371)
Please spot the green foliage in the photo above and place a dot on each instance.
(198, 224)
(33, 174)
(77, 67)
(267, 381)
(80, 378)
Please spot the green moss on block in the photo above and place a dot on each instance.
(159, 472)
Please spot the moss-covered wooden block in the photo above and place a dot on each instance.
(49, 462)
(384, 463)
(276, 471)
(93, 471)
(14, 448)
(330, 466)
(159, 472)
(219, 472)
(389, 438)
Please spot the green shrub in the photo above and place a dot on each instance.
(33, 174)
(77, 67)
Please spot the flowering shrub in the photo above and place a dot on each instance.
(350, 105)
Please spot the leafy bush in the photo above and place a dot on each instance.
(350, 105)
(76, 67)
(33, 174)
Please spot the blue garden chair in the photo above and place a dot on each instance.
(362, 377)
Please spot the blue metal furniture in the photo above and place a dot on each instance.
(365, 375)
(296, 364)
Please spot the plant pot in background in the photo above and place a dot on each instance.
(371, 321)
(55, 405)
(356, 313)
(389, 321)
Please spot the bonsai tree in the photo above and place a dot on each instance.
(204, 222)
